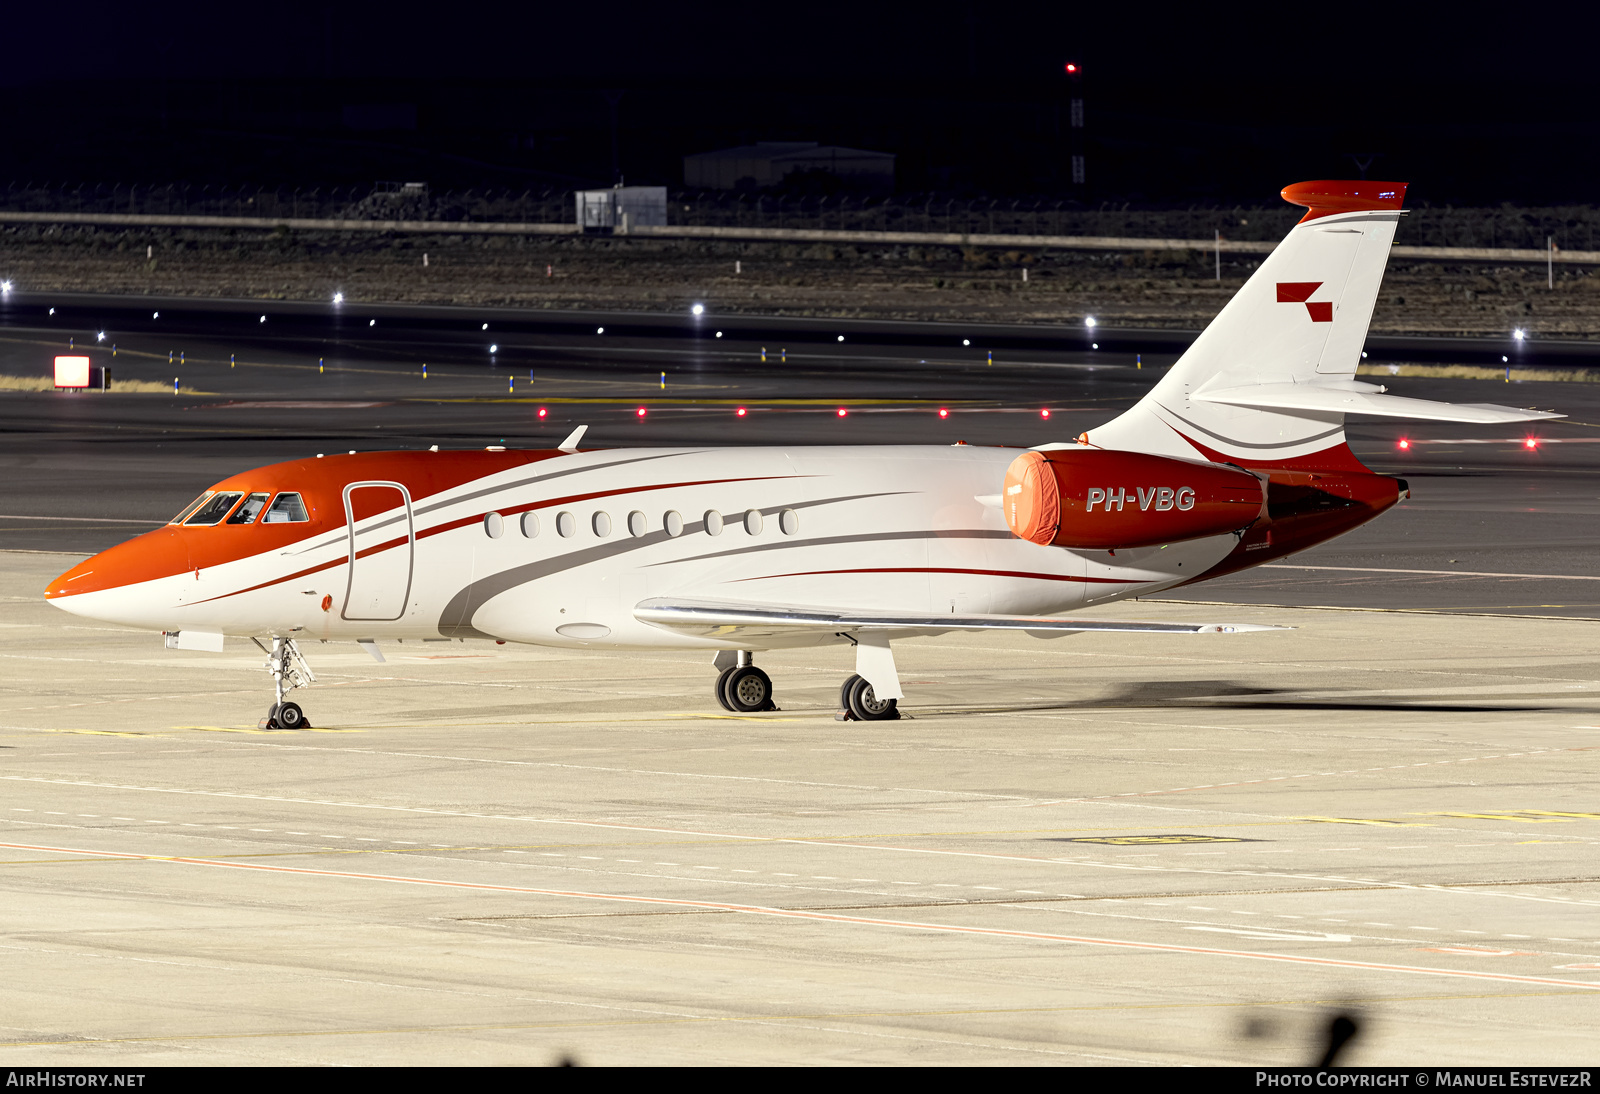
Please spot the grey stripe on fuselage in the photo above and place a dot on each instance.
(1335, 431)
(455, 621)
(553, 475)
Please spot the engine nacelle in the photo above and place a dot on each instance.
(1100, 500)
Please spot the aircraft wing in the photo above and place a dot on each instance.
(734, 619)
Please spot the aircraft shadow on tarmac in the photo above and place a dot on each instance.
(1227, 695)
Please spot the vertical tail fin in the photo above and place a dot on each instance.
(1301, 318)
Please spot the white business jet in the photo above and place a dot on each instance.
(1236, 457)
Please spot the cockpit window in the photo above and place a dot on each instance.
(191, 507)
(250, 510)
(215, 509)
(286, 509)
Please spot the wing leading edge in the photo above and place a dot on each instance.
(735, 620)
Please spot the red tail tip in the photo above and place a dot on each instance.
(1324, 197)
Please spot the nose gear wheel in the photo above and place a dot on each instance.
(289, 671)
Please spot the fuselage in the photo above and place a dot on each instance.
(557, 548)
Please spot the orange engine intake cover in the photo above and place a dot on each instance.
(1099, 500)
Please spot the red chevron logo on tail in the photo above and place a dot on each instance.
(1298, 292)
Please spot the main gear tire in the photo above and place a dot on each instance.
(721, 688)
(748, 690)
(863, 703)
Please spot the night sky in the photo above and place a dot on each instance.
(1472, 102)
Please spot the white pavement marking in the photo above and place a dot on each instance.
(1432, 573)
(86, 520)
(833, 917)
(1274, 936)
(739, 837)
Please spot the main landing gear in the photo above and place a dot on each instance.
(744, 689)
(859, 703)
(289, 671)
(741, 687)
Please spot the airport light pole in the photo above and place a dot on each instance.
(1075, 135)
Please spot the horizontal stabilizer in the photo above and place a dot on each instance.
(1358, 398)
(731, 619)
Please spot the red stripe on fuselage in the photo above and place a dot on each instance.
(1335, 458)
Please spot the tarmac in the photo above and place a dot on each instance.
(489, 854)
(1125, 850)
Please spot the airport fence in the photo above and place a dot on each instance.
(1571, 227)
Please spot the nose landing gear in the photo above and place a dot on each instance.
(289, 671)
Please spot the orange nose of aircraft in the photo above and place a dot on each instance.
(154, 555)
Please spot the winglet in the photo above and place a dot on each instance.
(1325, 197)
(571, 443)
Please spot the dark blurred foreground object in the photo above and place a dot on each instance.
(1341, 1031)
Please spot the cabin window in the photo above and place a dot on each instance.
(752, 521)
(566, 525)
(250, 510)
(789, 522)
(215, 509)
(601, 523)
(530, 525)
(494, 524)
(286, 509)
(672, 522)
(191, 507)
(713, 523)
(638, 524)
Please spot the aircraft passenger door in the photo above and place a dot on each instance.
(383, 546)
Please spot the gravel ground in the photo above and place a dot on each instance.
(1159, 290)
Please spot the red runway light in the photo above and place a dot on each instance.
(543, 412)
(943, 413)
(1403, 444)
(640, 412)
(1531, 442)
(740, 412)
(843, 412)
(1044, 413)
(1071, 68)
